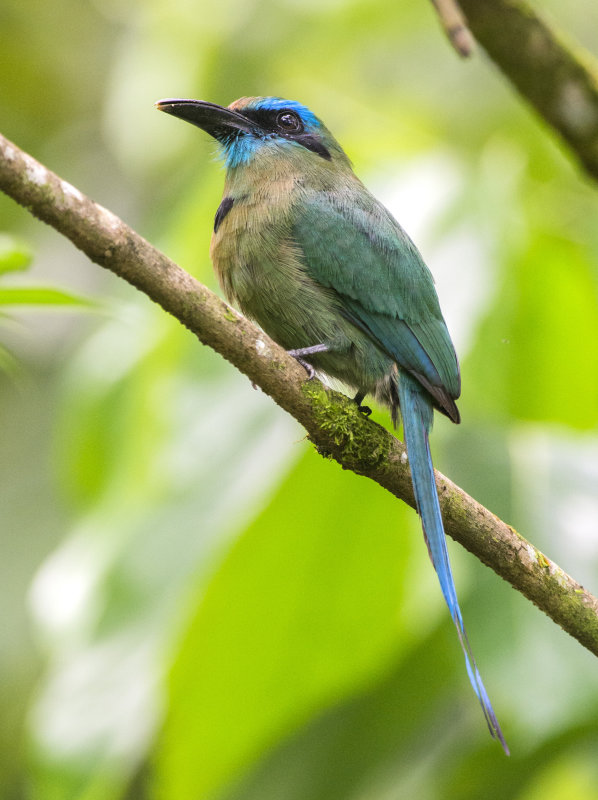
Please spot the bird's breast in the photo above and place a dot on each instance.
(262, 270)
(250, 236)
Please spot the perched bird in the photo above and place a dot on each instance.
(303, 248)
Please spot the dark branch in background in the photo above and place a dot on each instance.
(454, 24)
(556, 76)
(332, 421)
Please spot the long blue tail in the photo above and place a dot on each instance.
(417, 412)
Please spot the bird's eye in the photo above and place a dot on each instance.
(289, 122)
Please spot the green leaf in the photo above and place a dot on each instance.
(15, 254)
(304, 610)
(40, 296)
(535, 358)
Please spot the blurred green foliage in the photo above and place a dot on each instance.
(15, 256)
(195, 604)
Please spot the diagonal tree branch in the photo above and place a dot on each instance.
(332, 421)
(555, 75)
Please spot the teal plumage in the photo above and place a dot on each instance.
(304, 249)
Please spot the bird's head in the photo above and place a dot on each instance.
(253, 126)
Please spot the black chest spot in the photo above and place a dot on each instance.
(223, 209)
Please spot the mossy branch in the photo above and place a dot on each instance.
(332, 421)
(554, 74)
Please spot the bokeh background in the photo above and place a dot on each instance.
(195, 604)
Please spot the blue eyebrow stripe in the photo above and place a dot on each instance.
(308, 117)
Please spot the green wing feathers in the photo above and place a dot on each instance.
(351, 244)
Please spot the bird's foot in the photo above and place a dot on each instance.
(306, 366)
(307, 351)
(365, 410)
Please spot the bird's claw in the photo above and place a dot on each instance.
(306, 366)
(307, 351)
(365, 410)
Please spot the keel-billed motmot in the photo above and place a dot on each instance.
(304, 249)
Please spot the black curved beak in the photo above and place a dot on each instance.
(216, 120)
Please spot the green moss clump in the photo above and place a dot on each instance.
(361, 445)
